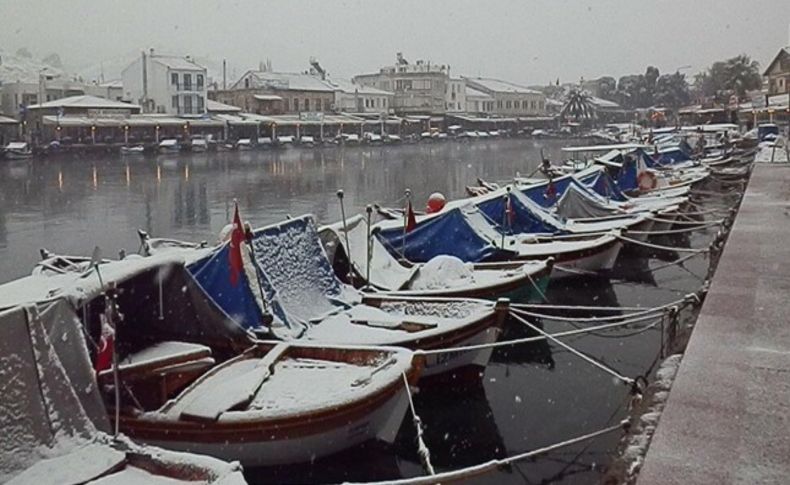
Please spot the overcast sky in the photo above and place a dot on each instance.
(529, 42)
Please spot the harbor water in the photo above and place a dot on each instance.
(528, 397)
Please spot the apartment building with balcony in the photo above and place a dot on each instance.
(419, 88)
(509, 99)
(166, 84)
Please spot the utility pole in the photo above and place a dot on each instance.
(224, 74)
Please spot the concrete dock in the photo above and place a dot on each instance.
(727, 419)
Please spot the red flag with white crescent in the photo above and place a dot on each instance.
(236, 242)
(411, 219)
(106, 347)
(511, 214)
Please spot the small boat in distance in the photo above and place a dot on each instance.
(169, 145)
(17, 150)
(133, 150)
(198, 145)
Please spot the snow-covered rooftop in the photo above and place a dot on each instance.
(499, 86)
(603, 103)
(349, 87)
(470, 91)
(85, 101)
(285, 81)
(216, 107)
(175, 62)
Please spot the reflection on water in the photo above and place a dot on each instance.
(72, 204)
(530, 396)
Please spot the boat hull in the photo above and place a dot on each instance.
(599, 260)
(270, 446)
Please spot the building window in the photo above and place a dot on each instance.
(175, 102)
(247, 83)
(187, 83)
(318, 104)
(187, 104)
(296, 104)
(499, 104)
(200, 82)
(174, 79)
(200, 105)
(508, 104)
(307, 104)
(285, 104)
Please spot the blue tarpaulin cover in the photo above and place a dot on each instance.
(445, 234)
(602, 184)
(523, 220)
(213, 275)
(293, 260)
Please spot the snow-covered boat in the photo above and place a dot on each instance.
(198, 145)
(390, 138)
(169, 145)
(17, 150)
(193, 380)
(244, 144)
(265, 142)
(54, 424)
(132, 150)
(307, 141)
(444, 276)
(350, 138)
(289, 290)
(474, 239)
(285, 141)
(371, 137)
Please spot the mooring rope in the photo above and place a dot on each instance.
(680, 301)
(632, 318)
(684, 223)
(699, 227)
(481, 468)
(626, 380)
(524, 340)
(663, 248)
(422, 448)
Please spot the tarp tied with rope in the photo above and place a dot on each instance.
(521, 219)
(446, 234)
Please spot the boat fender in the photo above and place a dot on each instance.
(646, 180)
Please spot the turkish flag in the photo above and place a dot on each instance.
(411, 219)
(236, 242)
(106, 347)
(551, 190)
(511, 214)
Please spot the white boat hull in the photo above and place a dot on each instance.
(436, 364)
(601, 261)
(382, 423)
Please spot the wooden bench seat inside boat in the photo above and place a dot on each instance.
(155, 373)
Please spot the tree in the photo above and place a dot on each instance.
(736, 75)
(672, 91)
(607, 88)
(578, 106)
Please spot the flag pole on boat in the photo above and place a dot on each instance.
(405, 223)
(369, 211)
(340, 195)
(506, 216)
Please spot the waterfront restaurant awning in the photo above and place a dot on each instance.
(4, 120)
(293, 120)
(234, 120)
(267, 97)
(141, 121)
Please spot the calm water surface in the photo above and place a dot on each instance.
(530, 396)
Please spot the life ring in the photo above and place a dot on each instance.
(646, 180)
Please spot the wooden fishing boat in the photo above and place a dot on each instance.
(274, 404)
(17, 150)
(132, 150)
(476, 239)
(169, 145)
(443, 276)
(50, 434)
(191, 379)
(288, 290)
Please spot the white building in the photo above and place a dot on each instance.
(510, 99)
(419, 88)
(355, 98)
(478, 102)
(166, 84)
(455, 95)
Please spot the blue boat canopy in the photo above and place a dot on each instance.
(449, 233)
